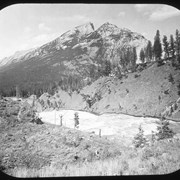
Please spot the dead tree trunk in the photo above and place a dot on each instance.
(61, 120)
(99, 132)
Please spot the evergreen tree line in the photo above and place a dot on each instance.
(67, 83)
(127, 61)
(168, 48)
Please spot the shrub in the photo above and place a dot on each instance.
(166, 91)
(136, 75)
(2, 167)
(171, 79)
(153, 136)
(27, 159)
(147, 153)
(76, 120)
(178, 87)
(139, 139)
(163, 129)
(160, 63)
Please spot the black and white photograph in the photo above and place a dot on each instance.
(89, 90)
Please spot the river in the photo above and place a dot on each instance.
(110, 124)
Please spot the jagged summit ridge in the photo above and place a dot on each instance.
(107, 28)
(85, 28)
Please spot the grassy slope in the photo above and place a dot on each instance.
(147, 94)
(161, 158)
(28, 145)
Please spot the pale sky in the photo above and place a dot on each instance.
(24, 26)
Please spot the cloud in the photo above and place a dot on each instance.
(157, 12)
(164, 13)
(23, 46)
(141, 7)
(31, 42)
(27, 29)
(68, 19)
(144, 34)
(41, 39)
(43, 27)
(78, 18)
(121, 14)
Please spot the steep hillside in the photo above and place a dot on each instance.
(77, 53)
(141, 93)
(148, 92)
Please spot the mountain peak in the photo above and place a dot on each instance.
(109, 25)
(85, 28)
(107, 28)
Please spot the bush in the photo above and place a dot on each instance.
(136, 75)
(139, 139)
(171, 79)
(164, 131)
(178, 86)
(2, 167)
(76, 120)
(147, 153)
(26, 159)
(160, 63)
(166, 91)
(35, 118)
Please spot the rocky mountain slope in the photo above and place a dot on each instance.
(74, 53)
(14, 58)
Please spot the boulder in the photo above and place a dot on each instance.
(37, 121)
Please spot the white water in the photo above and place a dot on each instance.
(110, 124)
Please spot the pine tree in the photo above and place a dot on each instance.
(107, 68)
(177, 45)
(76, 120)
(171, 46)
(139, 139)
(134, 59)
(123, 53)
(127, 56)
(92, 72)
(166, 46)
(142, 56)
(163, 129)
(99, 71)
(17, 91)
(149, 51)
(157, 49)
(119, 73)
